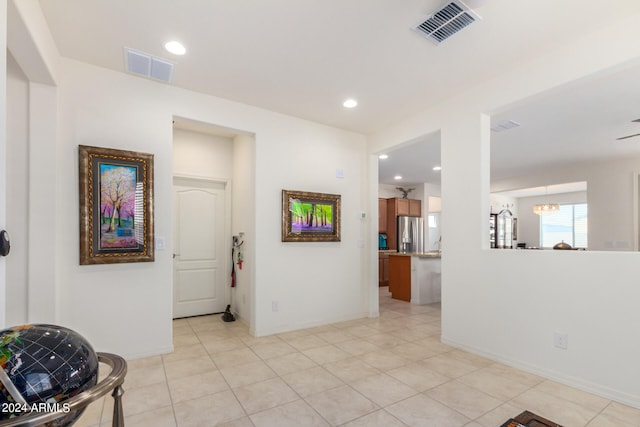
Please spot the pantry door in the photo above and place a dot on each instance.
(199, 249)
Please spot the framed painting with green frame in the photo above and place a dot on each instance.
(310, 217)
(116, 206)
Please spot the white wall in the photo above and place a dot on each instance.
(312, 283)
(243, 221)
(44, 223)
(120, 308)
(126, 308)
(387, 191)
(590, 295)
(30, 44)
(3, 153)
(432, 190)
(202, 155)
(108, 109)
(432, 206)
(18, 176)
(499, 202)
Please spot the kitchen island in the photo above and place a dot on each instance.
(415, 277)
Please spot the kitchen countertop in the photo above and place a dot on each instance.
(418, 255)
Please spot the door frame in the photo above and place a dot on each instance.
(227, 227)
(636, 211)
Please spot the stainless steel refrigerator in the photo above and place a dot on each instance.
(410, 234)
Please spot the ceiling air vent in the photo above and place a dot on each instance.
(506, 125)
(146, 65)
(445, 22)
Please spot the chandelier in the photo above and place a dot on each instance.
(545, 208)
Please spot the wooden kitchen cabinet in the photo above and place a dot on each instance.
(399, 207)
(382, 215)
(402, 206)
(391, 225)
(415, 207)
(383, 269)
(400, 277)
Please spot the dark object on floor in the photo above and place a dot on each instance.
(227, 316)
(529, 419)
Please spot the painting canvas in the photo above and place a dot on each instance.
(310, 216)
(116, 194)
(118, 206)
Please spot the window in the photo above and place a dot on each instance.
(433, 221)
(569, 224)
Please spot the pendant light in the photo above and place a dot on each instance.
(545, 208)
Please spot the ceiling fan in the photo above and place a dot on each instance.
(630, 136)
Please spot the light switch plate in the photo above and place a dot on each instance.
(160, 243)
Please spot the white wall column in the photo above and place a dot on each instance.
(465, 205)
(243, 221)
(372, 271)
(42, 301)
(3, 149)
(17, 192)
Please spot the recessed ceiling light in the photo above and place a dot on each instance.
(383, 156)
(350, 103)
(437, 168)
(397, 177)
(175, 47)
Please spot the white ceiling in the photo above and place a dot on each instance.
(303, 58)
(577, 124)
(413, 161)
(568, 187)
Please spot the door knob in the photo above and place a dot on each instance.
(5, 245)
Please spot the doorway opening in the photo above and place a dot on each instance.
(408, 192)
(213, 176)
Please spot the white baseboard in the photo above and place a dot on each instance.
(306, 325)
(150, 353)
(579, 383)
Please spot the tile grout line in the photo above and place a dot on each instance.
(166, 378)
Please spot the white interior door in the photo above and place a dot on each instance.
(199, 262)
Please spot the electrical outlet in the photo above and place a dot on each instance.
(561, 340)
(274, 306)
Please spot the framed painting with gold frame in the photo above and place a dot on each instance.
(310, 217)
(116, 206)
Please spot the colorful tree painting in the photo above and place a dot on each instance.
(310, 216)
(117, 205)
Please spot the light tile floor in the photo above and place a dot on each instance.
(389, 371)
